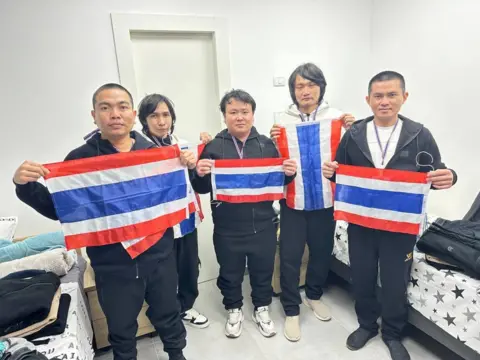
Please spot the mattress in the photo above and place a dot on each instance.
(449, 299)
(76, 341)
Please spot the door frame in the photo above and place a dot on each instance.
(124, 24)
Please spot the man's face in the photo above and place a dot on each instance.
(307, 93)
(160, 121)
(113, 113)
(238, 118)
(386, 99)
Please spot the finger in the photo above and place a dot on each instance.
(441, 183)
(31, 174)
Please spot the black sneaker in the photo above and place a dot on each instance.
(359, 338)
(397, 350)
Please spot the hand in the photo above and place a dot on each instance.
(275, 131)
(348, 120)
(441, 179)
(29, 171)
(205, 137)
(329, 168)
(290, 167)
(188, 159)
(204, 167)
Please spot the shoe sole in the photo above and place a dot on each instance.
(305, 302)
(291, 339)
(234, 336)
(197, 326)
(267, 335)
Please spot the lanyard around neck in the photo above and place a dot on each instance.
(382, 150)
(239, 152)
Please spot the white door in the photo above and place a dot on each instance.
(182, 67)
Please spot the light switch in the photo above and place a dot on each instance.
(279, 81)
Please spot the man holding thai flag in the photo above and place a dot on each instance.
(242, 171)
(111, 225)
(384, 168)
(309, 131)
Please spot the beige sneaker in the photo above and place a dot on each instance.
(292, 328)
(321, 311)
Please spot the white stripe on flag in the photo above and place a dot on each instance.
(113, 176)
(125, 219)
(128, 243)
(379, 213)
(248, 170)
(326, 155)
(375, 184)
(249, 191)
(294, 151)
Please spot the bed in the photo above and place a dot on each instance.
(76, 341)
(444, 304)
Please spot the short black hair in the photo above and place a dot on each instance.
(239, 95)
(386, 76)
(107, 87)
(149, 104)
(310, 72)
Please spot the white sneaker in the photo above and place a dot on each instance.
(261, 317)
(321, 311)
(193, 318)
(233, 327)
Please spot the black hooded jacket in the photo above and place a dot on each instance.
(244, 218)
(108, 260)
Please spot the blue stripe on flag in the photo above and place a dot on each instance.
(188, 225)
(380, 199)
(249, 181)
(104, 200)
(310, 159)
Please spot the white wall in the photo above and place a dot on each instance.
(435, 44)
(55, 53)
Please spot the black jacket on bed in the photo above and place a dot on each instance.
(244, 218)
(414, 138)
(107, 260)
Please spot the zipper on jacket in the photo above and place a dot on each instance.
(253, 221)
(136, 268)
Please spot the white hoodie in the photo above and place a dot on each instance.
(292, 114)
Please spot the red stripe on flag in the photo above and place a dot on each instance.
(383, 174)
(336, 135)
(115, 161)
(200, 149)
(378, 224)
(200, 211)
(282, 144)
(249, 198)
(144, 244)
(116, 235)
(239, 163)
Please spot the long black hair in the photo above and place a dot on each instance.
(148, 105)
(310, 72)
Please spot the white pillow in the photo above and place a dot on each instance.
(8, 225)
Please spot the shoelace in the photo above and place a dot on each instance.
(234, 316)
(263, 314)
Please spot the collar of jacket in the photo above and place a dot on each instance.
(410, 130)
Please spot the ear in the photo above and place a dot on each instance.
(135, 113)
(367, 99)
(405, 96)
(93, 116)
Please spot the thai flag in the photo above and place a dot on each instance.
(127, 197)
(248, 180)
(196, 214)
(311, 144)
(389, 200)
